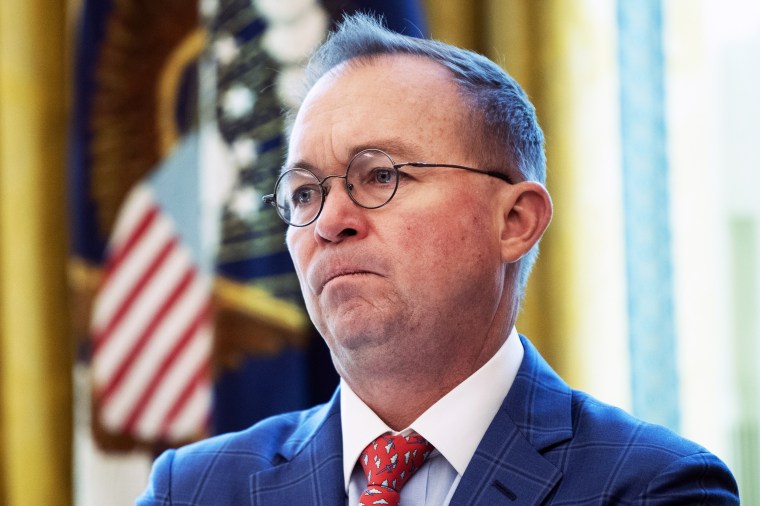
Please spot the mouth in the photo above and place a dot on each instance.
(344, 275)
(330, 269)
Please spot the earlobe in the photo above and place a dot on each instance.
(526, 215)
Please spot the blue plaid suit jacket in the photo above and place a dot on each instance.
(547, 445)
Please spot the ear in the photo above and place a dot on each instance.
(527, 212)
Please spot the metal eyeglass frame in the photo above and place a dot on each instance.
(271, 199)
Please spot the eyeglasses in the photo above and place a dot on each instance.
(371, 180)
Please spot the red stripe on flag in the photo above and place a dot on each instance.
(125, 365)
(158, 375)
(138, 276)
(197, 380)
(123, 249)
(157, 261)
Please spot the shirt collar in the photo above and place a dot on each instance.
(454, 425)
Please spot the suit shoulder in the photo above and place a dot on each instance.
(630, 458)
(216, 470)
(597, 422)
(259, 443)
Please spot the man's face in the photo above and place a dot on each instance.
(422, 276)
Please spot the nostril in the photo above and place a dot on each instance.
(348, 232)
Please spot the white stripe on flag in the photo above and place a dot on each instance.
(187, 421)
(162, 342)
(131, 212)
(141, 312)
(152, 331)
(180, 374)
(123, 276)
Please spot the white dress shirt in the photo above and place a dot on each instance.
(454, 426)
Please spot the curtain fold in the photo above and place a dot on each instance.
(35, 345)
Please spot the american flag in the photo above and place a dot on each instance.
(151, 328)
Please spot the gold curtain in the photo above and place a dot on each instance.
(35, 343)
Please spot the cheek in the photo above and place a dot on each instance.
(298, 248)
(457, 246)
(301, 252)
(441, 244)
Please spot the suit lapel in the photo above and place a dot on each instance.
(313, 469)
(508, 467)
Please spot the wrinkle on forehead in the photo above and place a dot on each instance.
(413, 96)
(399, 149)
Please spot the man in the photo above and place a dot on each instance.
(414, 194)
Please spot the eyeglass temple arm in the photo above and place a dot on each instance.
(492, 173)
(270, 200)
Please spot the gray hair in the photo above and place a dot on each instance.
(507, 136)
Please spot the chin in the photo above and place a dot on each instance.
(356, 336)
(359, 322)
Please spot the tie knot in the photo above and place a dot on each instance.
(388, 462)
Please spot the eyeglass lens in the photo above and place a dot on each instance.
(371, 180)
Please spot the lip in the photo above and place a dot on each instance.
(324, 273)
(343, 275)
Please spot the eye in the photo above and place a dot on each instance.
(303, 195)
(381, 176)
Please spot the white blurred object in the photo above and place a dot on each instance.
(292, 42)
(282, 11)
(290, 86)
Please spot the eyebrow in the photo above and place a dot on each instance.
(400, 150)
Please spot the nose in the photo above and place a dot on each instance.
(340, 218)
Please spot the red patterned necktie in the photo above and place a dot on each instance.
(388, 462)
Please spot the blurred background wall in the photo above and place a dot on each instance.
(645, 295)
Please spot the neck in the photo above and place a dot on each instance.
(397, 403)
(409, 385)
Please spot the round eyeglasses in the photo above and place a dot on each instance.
(371, 180)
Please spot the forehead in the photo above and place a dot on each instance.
(406, 105)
